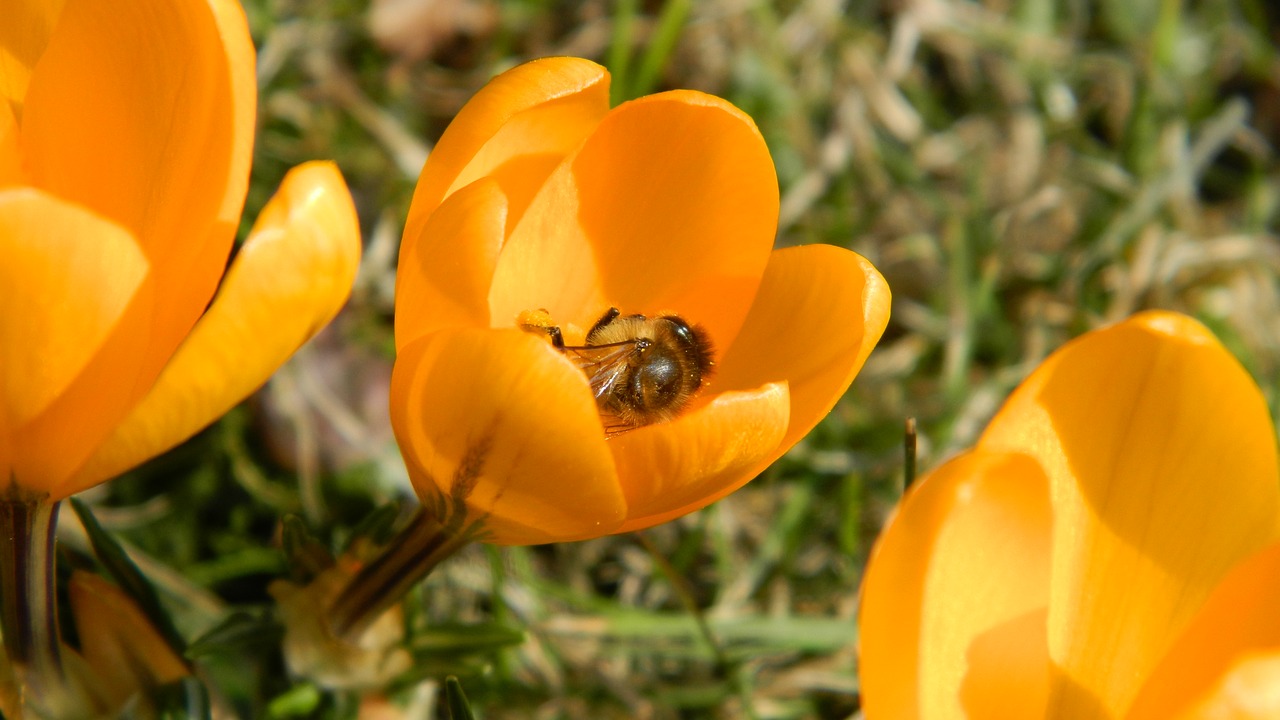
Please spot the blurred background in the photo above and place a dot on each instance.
(1019, 170)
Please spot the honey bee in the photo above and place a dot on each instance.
(642, 370)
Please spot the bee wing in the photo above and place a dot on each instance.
(604, 365)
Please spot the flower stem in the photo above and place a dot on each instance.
(28, 605)
(405, 560)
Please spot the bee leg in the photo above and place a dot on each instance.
(609, 316)
(557, 339)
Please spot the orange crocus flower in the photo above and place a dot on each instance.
(126, 130)
(539, 197)
(1108, 550)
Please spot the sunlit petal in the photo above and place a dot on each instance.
(501, 422)
(819, 312)
(10, 161)
(24, 34)
(952, 619)
(143, 112)
(71, 300)
(670, 206)
(1162, 460)
(1249, 690)
(827, 300)
(671, 469)
(444, 275)
(291, 277)
(1238, 619)
(515, 130)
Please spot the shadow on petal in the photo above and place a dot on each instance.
(1248, 690)
(445, 274)
(958, 576)
(290, 278)
(1163, 463)
(75, 304)
(497, 424)
(670, 206)
(542, 108)
(671, 469)
(1008, 666)
(10, 159)
(819, 312)
(24, 34)
(144, 113)
(1239, 618)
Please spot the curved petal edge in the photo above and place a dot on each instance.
(291, 277)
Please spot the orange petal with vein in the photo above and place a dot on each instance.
(819, 312)
(1237, 620)
(952, 622)
(143, 111)
(290, 278)
(671, 205)
(499, 423)
(445, 273)
(10, 164)
(24, 34)
(71, 298)
(1248, 690)
(1131, 423)
(516, 130)
(674, 468)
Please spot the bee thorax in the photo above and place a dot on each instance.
(641, 370)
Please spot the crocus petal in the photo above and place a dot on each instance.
(673, 468)
(23, 36)
(1239, 619)
(143, 112)
(822, 298)
(501, 422)
(952, 618)
(10, 165)
(515, 130)
(72, 302)
(1163, 465)
(126, 653)
(671, 205)
(1249, 690)
(444, 275)
(291, 277)
(62, 294)
(819, 312)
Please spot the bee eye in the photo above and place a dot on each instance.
(681, 329)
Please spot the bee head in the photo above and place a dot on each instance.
(694, 344)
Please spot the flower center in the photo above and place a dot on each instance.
(641, 370)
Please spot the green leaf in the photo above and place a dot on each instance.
(238, 631)
(661, 46)
(297, 701)
(484, 637)
(459, 708)
(306, 556)
(378, 526)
